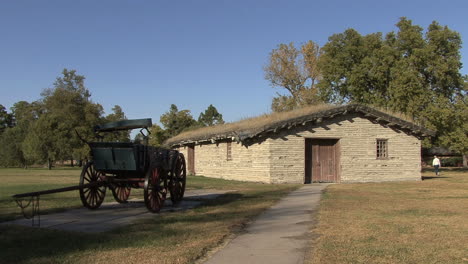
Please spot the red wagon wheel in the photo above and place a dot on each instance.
(155, 189)
(91, 196)
(178, 179)
(121, 193)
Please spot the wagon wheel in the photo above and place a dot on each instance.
(179, 175)
(121, 193)
(91, 196)
(155, 189)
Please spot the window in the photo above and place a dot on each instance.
(228, 151)
(382, 149)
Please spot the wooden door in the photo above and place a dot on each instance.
(191, 159)
(322, 160)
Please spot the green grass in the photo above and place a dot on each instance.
(395, 222)
(15, 181)
(178, 237)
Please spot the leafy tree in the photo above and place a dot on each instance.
(93, 116)
(210, 117)
(118, 136)
(66, 107)
(11, 153)
(453, 118)
(406, 71)
(175, 121)
(23, 114)
(6, 119)
(158, 136)
(296, 70)
(42, 143)
(70, 81)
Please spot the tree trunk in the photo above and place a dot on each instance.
(465, 160)
(71, 162)
(49, 164)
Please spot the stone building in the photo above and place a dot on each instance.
(352, 143)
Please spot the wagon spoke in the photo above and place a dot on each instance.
(88, 193)
(91, 196)
(88, 178)
(91, 202)
(178, 179)
(155, 189)
(121, 193)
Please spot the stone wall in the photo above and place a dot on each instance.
(250, 163)
(280, 158)
(357, 144)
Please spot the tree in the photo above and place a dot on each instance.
(404, 72)
(6, 119)
(175, 121)
(11, 153)
(210, 117)
(42, 144)
(407, 71)
(158, 136)
(118, 136)
(296, 71)
(66, 108)
(70, 81)
(453, 118)
(23, 114)
(92, 116)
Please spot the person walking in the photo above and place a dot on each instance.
(436, 164)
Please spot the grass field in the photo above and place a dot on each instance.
(178, 237)
(400, 222)
(16, 181)
(395, 222)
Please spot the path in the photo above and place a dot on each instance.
(280, 235)
(113, 215)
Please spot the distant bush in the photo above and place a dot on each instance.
(452, 162)
(446, 162)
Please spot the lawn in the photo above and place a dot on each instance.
(177, 237)
(16, 181)
(396, 222)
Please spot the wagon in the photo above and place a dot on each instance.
(121, 167)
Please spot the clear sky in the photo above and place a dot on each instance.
(146, 55)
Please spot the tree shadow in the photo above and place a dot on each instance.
(42, 242)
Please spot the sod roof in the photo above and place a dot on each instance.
(262, 126)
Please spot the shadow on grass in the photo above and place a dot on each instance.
(447, 169)
(222, 199)
(433, 177)
(24, 244)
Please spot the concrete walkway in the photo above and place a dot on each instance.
(280, 235)
(113, 215)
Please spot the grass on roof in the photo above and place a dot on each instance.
(256, 124)
(248, 124)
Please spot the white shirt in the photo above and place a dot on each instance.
(436, 161)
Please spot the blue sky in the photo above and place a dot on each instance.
(146, 55)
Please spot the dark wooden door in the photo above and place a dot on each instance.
(191, 159)
(321, 160)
